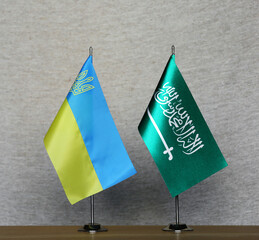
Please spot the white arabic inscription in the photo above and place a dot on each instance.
(179, 119)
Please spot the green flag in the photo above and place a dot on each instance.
(177, 135)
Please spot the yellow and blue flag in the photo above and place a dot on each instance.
(83, 142)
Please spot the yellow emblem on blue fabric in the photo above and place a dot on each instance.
(80, 85)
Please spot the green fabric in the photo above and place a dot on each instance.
(177, 135)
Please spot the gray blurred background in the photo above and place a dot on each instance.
(43, 45)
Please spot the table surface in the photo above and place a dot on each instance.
(129, 232)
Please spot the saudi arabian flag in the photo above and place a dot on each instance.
(177, 135)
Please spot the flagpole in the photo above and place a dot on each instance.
(91, 197)
(177, 227)
(177, 196)
(177, 210)
(92, 227)
(92, 209)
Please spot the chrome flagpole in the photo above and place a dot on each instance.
(177, 227)
(92, 209)
(91, 197)
(177, 209)
(92, 227)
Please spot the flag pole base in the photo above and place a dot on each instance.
(92, 228)
(177, 227)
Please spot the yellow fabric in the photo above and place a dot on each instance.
(70, 158)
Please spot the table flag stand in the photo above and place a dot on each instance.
(92, 227)
(177, 226)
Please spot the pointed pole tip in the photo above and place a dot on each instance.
(91, 51)
(173, 50)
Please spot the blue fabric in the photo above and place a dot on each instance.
(102, 140)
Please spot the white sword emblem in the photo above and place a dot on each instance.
(167, 149)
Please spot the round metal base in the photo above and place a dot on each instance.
(177, 227)
(92, 228)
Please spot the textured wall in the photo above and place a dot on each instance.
(43, 45)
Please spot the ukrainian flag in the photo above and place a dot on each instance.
(83, 142)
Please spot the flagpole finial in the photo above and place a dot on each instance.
(173, 50)
(91, 51)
